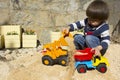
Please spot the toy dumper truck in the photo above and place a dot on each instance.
(88, 61)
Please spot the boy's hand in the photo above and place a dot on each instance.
(97, 50)
(66, 31)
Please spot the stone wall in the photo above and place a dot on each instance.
(46, 15)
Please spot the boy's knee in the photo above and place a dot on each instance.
(89, 38)
(78, 37)
(92, 41)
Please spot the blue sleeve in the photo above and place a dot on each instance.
(105, 42)
(77, 25)
(103, 32)
(71, 28)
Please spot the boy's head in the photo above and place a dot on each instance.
(98, 10)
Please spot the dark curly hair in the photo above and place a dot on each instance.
(98, 9)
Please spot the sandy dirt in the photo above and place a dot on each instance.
(30, 67)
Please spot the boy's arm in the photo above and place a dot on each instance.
(104, 38)
(103, 33)
(77, 25)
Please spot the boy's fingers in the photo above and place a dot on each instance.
(93, 49)
(66, 31)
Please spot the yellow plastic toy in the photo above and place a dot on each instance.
(101, 64)
(56, 52)
(100, 60)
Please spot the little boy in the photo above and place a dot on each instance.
(96, 30)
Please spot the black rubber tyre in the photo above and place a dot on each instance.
(62, 60)
(47, 60)
(101, 68)
(81, 68)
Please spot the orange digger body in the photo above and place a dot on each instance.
(56, 52)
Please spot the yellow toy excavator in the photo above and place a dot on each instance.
(56, 52)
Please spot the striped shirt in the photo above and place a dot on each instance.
(102, 31)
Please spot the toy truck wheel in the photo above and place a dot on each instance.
(62, 60)
(47, 60)
(81, 68)
(101, 68)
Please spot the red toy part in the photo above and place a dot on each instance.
(87, 55)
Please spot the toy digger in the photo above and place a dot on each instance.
(56, 52)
